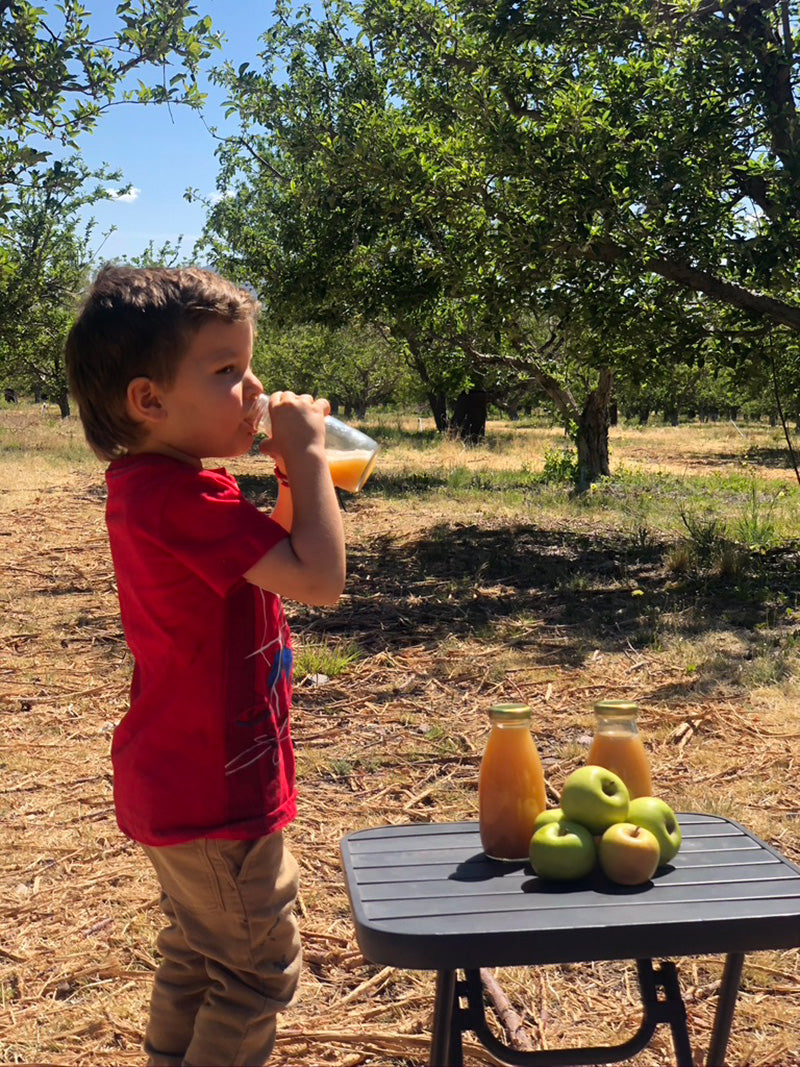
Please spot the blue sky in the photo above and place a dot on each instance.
(162, 153)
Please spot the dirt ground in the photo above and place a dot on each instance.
(452, 607)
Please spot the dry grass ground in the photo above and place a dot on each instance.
(456, 600)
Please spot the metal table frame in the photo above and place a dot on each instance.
(426, 897)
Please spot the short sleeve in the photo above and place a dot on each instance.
(213, 530)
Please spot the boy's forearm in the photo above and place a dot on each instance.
(316, 531)
(308, 565)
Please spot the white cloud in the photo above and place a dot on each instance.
(125, 196)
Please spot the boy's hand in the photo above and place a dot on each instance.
(297, 424)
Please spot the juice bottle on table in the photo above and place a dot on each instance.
(617, 746)
(511, 789)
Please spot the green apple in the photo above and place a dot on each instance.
(595, 797)
(629, 854)
(548, 815)
(658, 817)
(562, 851)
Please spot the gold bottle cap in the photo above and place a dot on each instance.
(608, 709)
(510, 712)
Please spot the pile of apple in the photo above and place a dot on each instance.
(597, 820)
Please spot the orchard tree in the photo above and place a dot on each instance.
(480, 174)
(354, 367)
(46, 260)
(664, 136)
(651, 155)
(343, 201)
(307, 222)
(56, 81)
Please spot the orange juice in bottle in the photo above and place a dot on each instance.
(350, 470)
(511, 789)
(617, 746)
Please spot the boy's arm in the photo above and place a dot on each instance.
(283, 512)
(308, 565)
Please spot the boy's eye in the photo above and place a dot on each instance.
(228, 369)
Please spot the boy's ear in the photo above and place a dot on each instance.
(144, 402)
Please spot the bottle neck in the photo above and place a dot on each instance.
(616, 724)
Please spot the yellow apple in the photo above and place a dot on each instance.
(629, 854)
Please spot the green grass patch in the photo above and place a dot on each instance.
(330, 658)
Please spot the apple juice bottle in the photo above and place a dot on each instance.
(617, 745)
(511, 789)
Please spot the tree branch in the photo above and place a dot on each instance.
(256, 155)
(788, 42)
(513, 1025)
(756, 305)
(518, 110)
(525, 365)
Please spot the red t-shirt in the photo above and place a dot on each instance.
(205, 748)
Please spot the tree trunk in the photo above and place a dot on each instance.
(63, 403)
(469, 416)
(436, 398)
(642, 413)
(593, 433)
(438, 403)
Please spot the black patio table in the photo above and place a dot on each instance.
(426, 897)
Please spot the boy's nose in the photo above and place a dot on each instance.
(254, 384)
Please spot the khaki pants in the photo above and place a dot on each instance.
(230, 951)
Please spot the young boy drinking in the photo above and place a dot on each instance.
(159, 363)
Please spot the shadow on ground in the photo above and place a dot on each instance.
(556, 594)
(769, 458)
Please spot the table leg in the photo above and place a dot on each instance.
(726, 1006)
(673, 1011)
(441, 1040)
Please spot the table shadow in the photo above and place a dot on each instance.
(480, 868)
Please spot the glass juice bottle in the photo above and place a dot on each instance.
(617, 745)
(511, 785)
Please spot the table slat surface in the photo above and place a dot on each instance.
(426, 897)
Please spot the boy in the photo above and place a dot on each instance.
(159, 364)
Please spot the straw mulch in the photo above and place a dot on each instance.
(448, 620)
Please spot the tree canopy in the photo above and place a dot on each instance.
(56, 80)
(547, 180)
